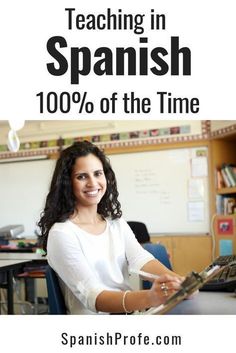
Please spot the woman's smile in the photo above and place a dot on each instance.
(88, 180)
(92, 193)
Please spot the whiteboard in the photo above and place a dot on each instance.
(165, 189)
(23, 190)
(153, 187)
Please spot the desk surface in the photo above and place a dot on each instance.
(21, 256)
(207, 303)
(8, 264)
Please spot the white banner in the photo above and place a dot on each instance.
(65, 60)
(118, 333)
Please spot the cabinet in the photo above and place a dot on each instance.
(187, 252)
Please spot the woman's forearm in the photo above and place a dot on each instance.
(127, 301)
(157, 268)
(121, 302)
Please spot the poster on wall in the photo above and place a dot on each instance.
(225, 226)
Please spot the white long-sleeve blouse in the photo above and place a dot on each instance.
(88, 264)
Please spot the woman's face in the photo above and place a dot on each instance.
(88, 180)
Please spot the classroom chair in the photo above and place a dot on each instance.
(56, 303)
(157, 250)
(140, 231)
(160, 253)
(23, 306)
(30, 276)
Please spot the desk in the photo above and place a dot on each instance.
(8, 266)
(207, 303)
(15, 250)
(22, 256)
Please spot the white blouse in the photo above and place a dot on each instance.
(88, 264)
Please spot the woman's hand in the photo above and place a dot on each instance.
(162, 288)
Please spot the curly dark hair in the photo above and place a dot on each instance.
(60, 201)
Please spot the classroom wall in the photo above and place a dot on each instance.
(219, 124)
(51, 129)
(39, 130)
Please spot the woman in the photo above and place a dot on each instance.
(89, 245)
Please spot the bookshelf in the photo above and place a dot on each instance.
(226, 191)
(222, 151)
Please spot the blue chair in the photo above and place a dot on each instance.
(160, 253)
(56, 302)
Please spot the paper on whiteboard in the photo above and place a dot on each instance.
(196, 211)
(196, 189)
(199, 167)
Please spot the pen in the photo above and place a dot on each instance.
(144, 274)
(213, 269)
